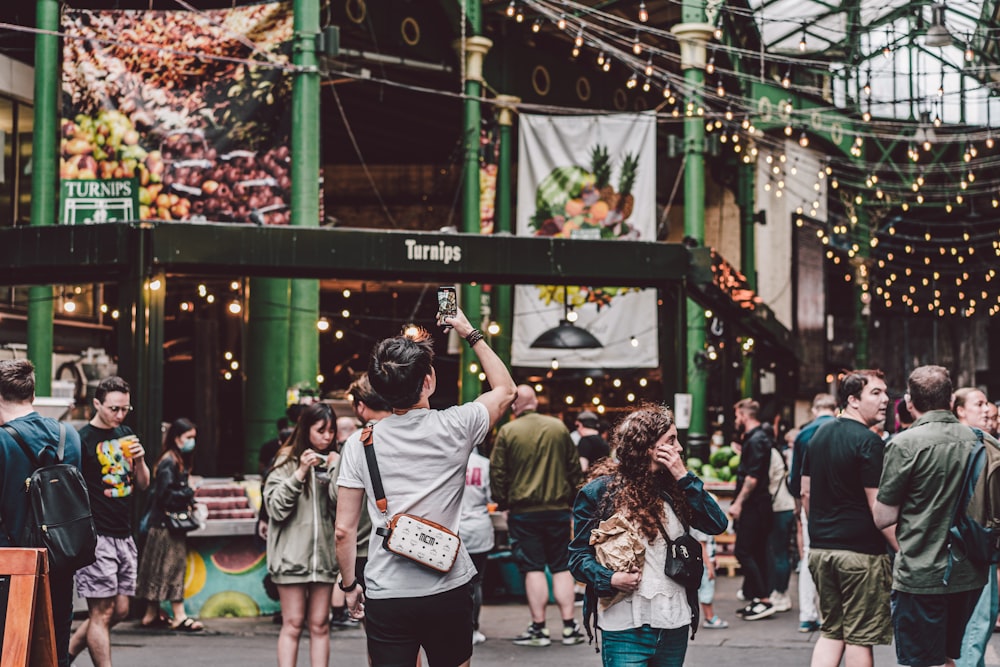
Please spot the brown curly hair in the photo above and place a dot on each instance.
(636, 490)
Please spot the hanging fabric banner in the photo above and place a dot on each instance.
(191, 104)
(587, 177)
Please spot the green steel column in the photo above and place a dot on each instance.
(44, 156)
(303, 350)
(692, 34)
(748, 255)
(267, 335)
(503, 312)
(475, 49)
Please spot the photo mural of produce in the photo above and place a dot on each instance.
(193, 104)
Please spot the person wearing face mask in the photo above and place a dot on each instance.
(161, 571)
(301, 557)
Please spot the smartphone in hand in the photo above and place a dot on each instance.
(447, 302)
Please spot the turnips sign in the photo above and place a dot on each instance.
(439, 252)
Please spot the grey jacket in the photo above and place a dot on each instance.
(300, 531)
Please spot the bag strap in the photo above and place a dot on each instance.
(973, 469)
(368, 440)
(22, 444)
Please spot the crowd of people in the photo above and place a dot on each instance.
(358, 534)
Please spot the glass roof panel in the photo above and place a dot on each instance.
(886, 39)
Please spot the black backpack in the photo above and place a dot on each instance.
(59, 517)
(975, 524)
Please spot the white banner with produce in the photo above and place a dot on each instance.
(193, 105)
(587, 177)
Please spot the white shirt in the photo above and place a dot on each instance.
(660, 602)
(422, 457)
(476, 527)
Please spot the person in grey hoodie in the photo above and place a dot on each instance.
(300, 537)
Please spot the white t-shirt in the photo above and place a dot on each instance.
(422, 457)
(476, 528)
(782, 497)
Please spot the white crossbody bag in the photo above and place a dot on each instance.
(421, 540)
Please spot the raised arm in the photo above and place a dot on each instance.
(502, 388)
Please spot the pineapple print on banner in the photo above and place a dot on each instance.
(587, 177)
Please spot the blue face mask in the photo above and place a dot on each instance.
(187, 446)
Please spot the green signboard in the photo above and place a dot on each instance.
(111, 200)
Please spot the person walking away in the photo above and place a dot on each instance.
(535, 474)
(650, 488)
(751, 510)
(823, 410)
(114, 467)
(972, 408)
(783, 512)
(300, 534)
(476, 529)
(164, 558)
(591, 444)
(422, 455)
(848, 556)
(17, 393)
(921, 482)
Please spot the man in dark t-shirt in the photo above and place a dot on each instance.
(114, 467)
(848, 556)
(751, 510)
(591, 445)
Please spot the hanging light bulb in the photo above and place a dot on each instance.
(718, 28)
(561, 23)
(643, 14)
(989, 141)
(729, 112)
(786, 80)
(636, 45)
(511, 9)
(788, 130)
(600, 58)
(720, 89)
(710, 67)
(804, 140)
(802, 42)
(536, 26)
(646, 85)
(969, 53)
(520, 16)
(937, 120)
(576, 51)
(632, 82)
(607, 65)
(649, 66)
(867, 89)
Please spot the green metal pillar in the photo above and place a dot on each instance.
(267, 336)
(44, 156)
(303, 350)
(503, 311)
(693, 33)
(745, 192)
(474, 49)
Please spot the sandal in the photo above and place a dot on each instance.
(161, 622)
(188, 625)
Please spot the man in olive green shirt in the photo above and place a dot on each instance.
(534, 474)
(921, 479)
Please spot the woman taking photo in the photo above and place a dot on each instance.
(164, 558)
(651, 489)
(300, 535)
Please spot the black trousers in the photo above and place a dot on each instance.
(753, 532)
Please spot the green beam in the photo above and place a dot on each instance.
(45, 151)
(303, 338)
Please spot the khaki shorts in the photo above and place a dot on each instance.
(854, 593)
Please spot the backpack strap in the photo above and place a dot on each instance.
(22, 444)
(973, 469)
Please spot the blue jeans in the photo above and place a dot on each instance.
(644, 647)
(781, 538)
(980, 627)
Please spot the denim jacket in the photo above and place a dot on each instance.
(591, 508)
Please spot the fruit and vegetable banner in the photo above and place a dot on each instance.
(191, 104)
(587, 177)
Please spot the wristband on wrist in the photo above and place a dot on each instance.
(347, 589)
(474, 337)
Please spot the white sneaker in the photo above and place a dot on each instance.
(781, 601)
(477, 637)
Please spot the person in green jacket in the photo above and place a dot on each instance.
(301, 558)
(534, 474)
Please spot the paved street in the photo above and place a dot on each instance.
(248, 642)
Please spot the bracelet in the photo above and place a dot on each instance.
(474, 337)
(348, 589)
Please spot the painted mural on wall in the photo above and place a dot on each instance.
(225, 576)
(193, 104)
(587, 177)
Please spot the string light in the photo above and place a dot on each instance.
(643, 14)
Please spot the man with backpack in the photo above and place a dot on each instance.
(114, 465)
(41, 435)
(921, 481)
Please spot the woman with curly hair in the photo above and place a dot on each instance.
(651, 488)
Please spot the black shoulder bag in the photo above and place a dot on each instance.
(685, 565)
